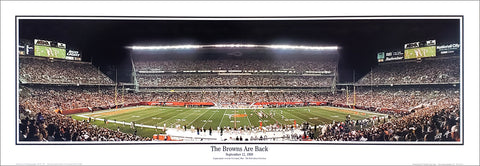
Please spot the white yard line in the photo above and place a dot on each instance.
(247, 118)
(149, 115)
(297, 117)
(192, 114)
(166, 120)
(122, 122)
(220, 124)
(359, 110)
(209, 119)
(196, 118)
(277, 120)
(109, 110)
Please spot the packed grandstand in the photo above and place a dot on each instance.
(421, 96)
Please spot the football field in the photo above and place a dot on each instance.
(171, 117)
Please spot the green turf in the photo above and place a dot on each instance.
(206, 118)
(144, 132)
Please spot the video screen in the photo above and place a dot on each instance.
(421, 52)
(51, 52)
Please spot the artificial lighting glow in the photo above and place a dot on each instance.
(290, 47)
(231, 45)
(302, 47)
(164, 47)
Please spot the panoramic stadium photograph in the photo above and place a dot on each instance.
(375, 80)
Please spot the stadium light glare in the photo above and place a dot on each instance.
(291, 47)
(164, 47)
(232, 45)
(303, 47)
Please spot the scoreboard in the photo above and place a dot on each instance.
(49, 49)
(420, 49)
(46, 48)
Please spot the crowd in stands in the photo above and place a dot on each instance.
(435, 123)
(210, 80)
(44, 100)
(70, 97)
(402, 98)
(46, 71)
(65, 98)
(427, 71)
(39, 120)
(214, 80)
(184, 65)
(45, 125)
(434, 117)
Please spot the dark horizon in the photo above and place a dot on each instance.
(103, 41)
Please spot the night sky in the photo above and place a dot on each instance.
(103, 41)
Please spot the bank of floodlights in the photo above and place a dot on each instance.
(293, 47)
(284, 47)
(173, 47)
(231, 45)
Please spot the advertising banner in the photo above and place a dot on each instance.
(394, 56)
(380, 56)
(73, 55)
